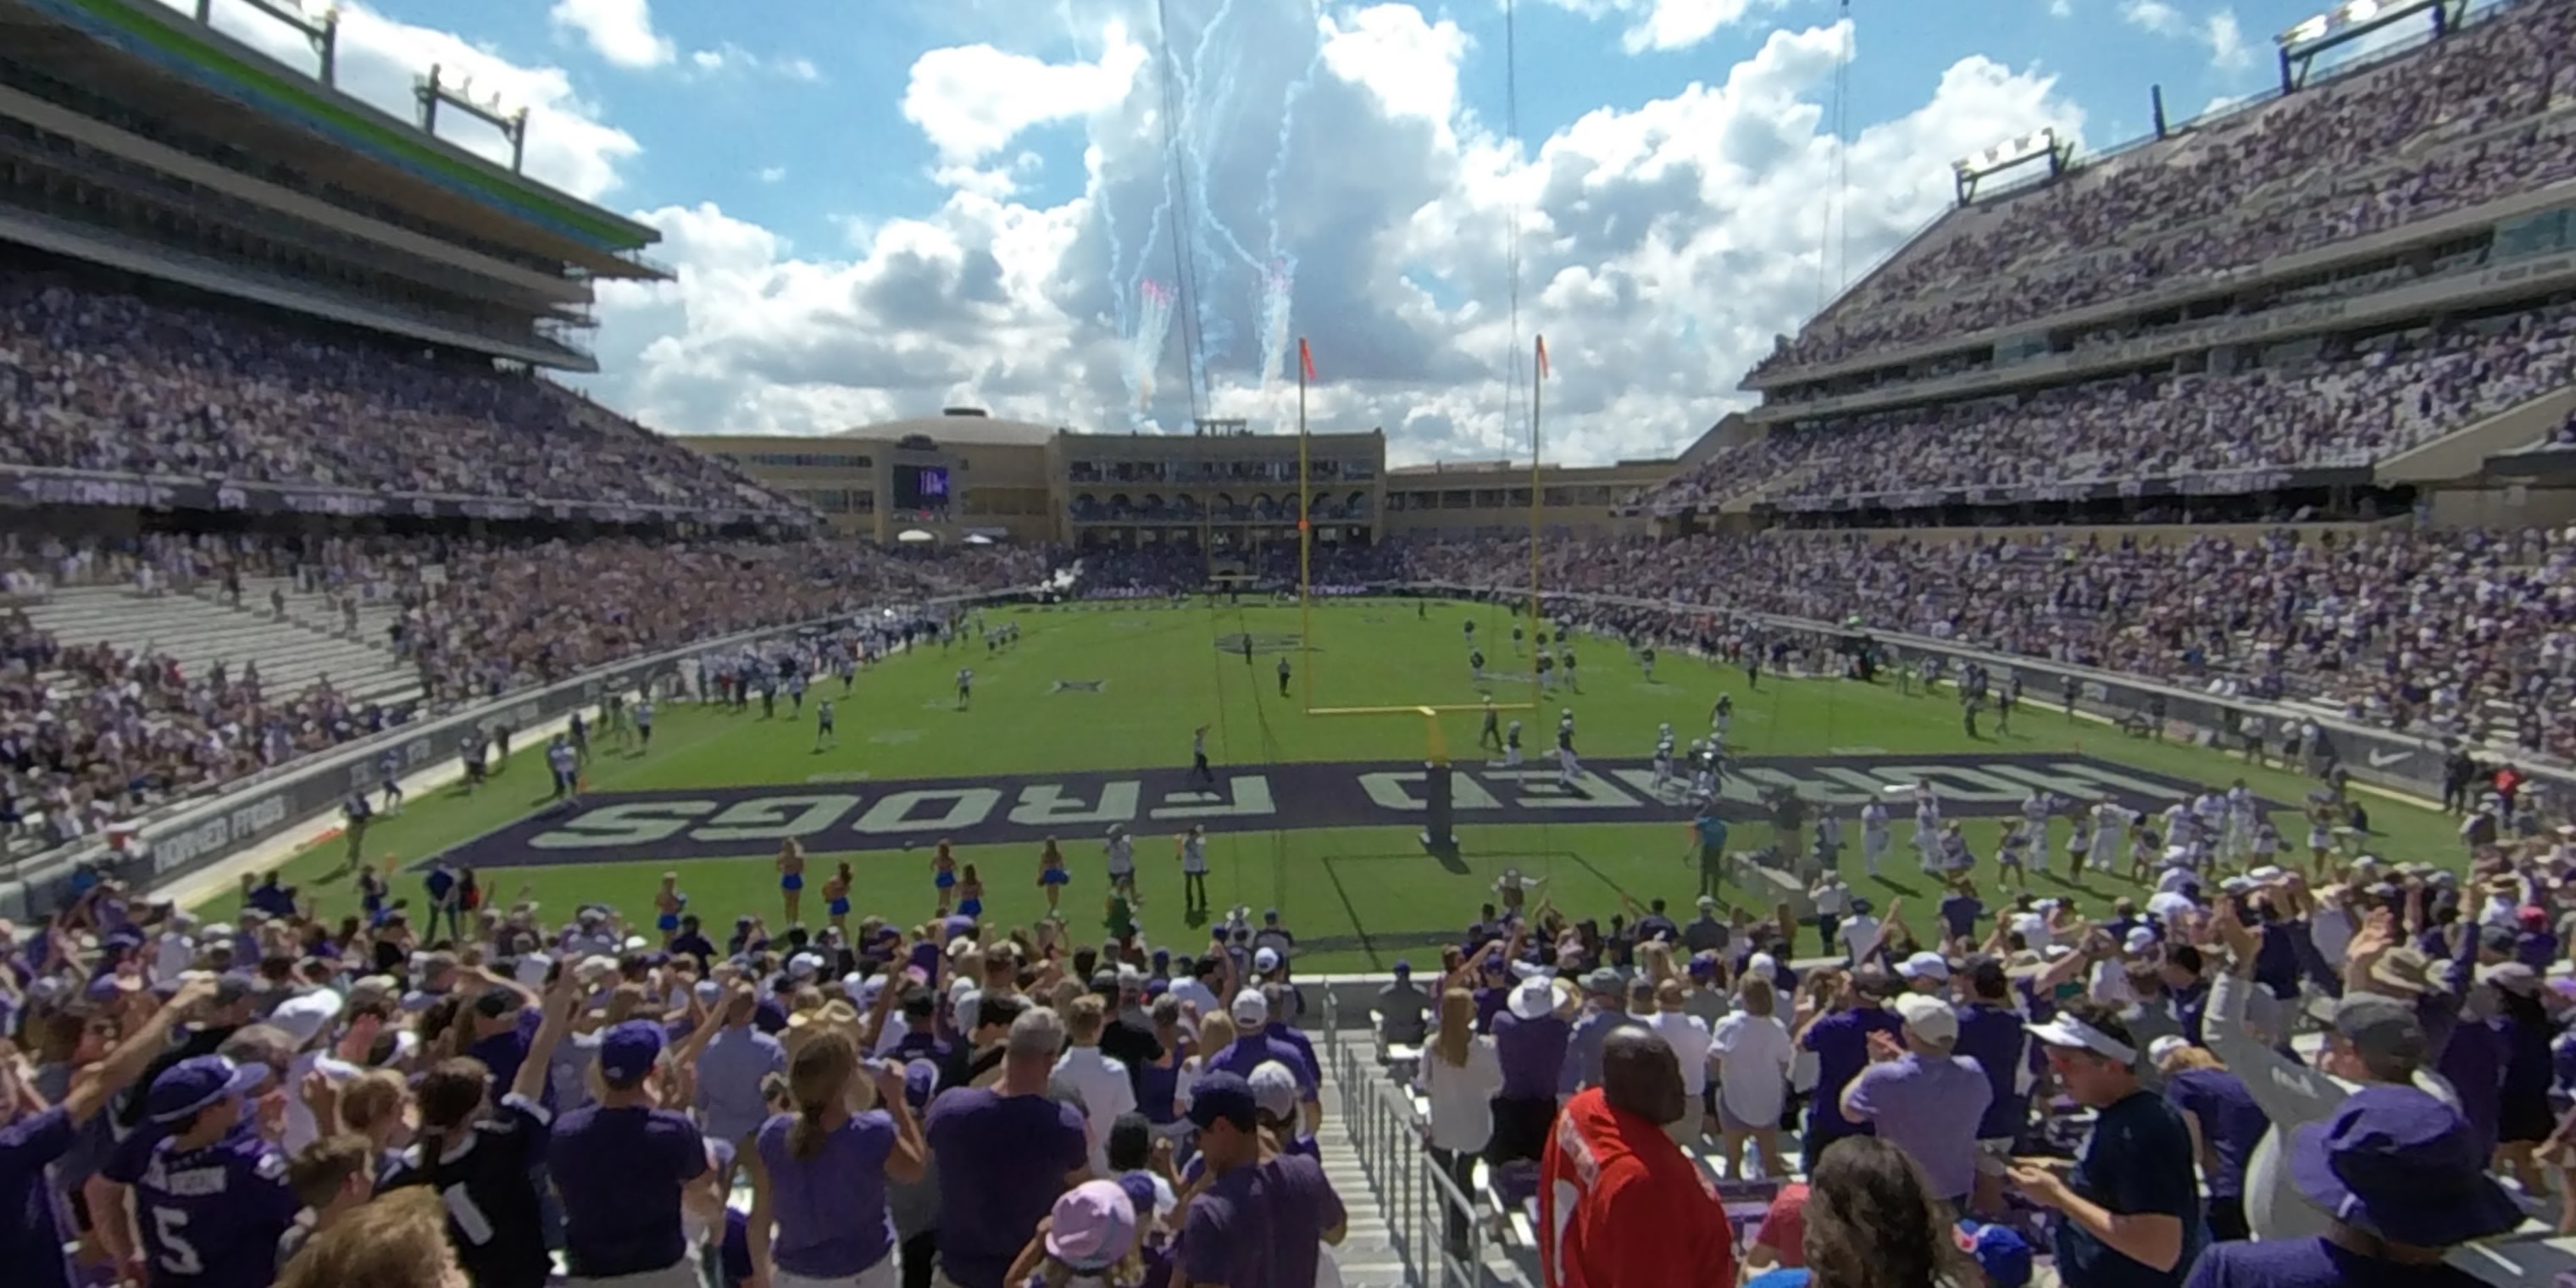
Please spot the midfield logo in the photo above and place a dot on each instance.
(1260, 643)
(745, 821)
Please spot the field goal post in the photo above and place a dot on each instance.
(1438, 834)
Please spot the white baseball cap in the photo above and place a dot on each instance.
(1931, 1018)
(1924, 966)
(304, 1015)
(1250, 1007)
(1265, 960)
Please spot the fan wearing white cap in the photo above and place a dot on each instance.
(1529, 1041)
(307, 1018)
(1925, 973)
(2131, 1202)
(1922, 1098)
(1255, 1045)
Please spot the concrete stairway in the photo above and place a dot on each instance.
(1374, 1156)
(321, 611)
(200, 632)
(1369, 1256)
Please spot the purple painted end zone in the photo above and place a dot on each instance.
(836, 817)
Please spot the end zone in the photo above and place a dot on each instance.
(1015, 809)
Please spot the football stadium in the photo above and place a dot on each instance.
(2071, 781)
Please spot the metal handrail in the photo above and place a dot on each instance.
(1419, 1199)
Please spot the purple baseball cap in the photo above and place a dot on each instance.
(198, 1082)
(1224, 1097)
(628, 1052)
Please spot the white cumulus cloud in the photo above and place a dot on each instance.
(1666, 25)
(1660, 248)
(972, 100)
(2220, 33)
(620, 31)
(2227, 47)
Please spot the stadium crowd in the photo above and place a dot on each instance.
(2347, 408)
(884, 1102)
(92, 379)
(91, 733)
(714, 1101)
(2404, 628)
(2465, 121)
(2140, 1092)
(1173, 567)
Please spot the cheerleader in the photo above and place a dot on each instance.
(2008, 854)
(943, 875)
(2144, 846)
(836, 898)
(1051, 875)
(2321, 825)
(970, 894)
(668, 904)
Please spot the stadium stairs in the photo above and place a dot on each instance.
(1372, 1255)
(2463, 452)
(200, 631)
(319, 611)
(1374, 1154)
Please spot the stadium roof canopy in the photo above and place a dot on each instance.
(151, 58)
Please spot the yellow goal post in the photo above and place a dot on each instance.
(1430, 713)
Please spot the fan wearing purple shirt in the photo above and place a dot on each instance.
(1263, 1219)
(34, 1135)
(818, 1176)
(1922, 1098)
(211, 1198)
(1840, 1040)
(1257, 1042)
(1004, 1153)
(1993, 1034)
(2225, 1126)
(2406, 1182)
(1530, 1039)
(620, 1166)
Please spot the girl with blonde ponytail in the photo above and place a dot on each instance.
(819, 1173)
(1462, 1074)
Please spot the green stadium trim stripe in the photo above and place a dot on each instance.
(176, 39)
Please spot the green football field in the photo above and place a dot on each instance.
(1122, 689)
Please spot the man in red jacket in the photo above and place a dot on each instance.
(1619, 1205)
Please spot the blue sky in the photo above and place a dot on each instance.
(879, 207)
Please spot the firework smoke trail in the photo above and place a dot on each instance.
(1278, 286)
(1198, 133)
(1205, 129)
(1145, 346)
(1280, 282)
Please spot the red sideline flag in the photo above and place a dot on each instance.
(1542, 357)
(1306, 359)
